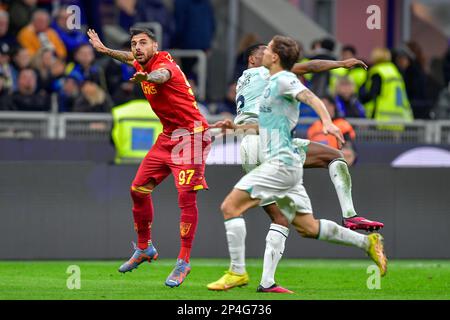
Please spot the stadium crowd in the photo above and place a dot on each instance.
(40, 57)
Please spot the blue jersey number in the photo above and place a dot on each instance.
(240, 102)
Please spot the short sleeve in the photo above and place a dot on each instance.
(165, 61)
(290, 87)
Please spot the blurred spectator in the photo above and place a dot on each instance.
(357, 75)
(38, 34)
(117, 81)
(347, 102)
(446, 64)
(26, 98)
(415, 82)
(442, 109)
(316, 47)
(320, 81)
(22, 11)
(5, 96)
(5, 36)
(50, 70)
(21, 59)
(195, 26)
(57, 71)
(141, 11)
(68, 94)
(384, 95)
(226, 107)
(315, 132)
(92, 99)
(42, 63)
(6, 67)
(85, 67)
(246, 41)
(72, 38)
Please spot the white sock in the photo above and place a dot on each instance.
(236, 232)
(343, 184)
(332, 232)
(275, 240)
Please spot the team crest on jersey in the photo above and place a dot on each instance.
(184, 228)
(169, 57)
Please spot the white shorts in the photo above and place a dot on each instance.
(272, 182)
(251, 152)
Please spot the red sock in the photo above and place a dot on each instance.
(187, 200)
(143, 216)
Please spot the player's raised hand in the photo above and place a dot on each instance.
(139, 77)
(331, 128)
(350, 63)
(95, 41)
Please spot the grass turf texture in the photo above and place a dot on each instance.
(309, 279)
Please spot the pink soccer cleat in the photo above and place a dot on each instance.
(273, 289)
(362, 223)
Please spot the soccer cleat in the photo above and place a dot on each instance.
(356, 222)
(273, 289)
(376, 252)
(138, 257)
(178, 274)
(228, 281)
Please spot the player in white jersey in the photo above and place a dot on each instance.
(279, 177)
(249, 88)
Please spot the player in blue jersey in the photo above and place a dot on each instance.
(250, 86)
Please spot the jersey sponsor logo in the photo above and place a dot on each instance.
(148, 88)
(185, 228)
(266, 109)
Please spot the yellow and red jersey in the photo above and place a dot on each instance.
(172, 101)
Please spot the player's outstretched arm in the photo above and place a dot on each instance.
(306, 96)
(123, 56)
(314, 66)
(158, 76)
(229, 127)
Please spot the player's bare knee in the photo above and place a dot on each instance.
(280, 219)
(225, 207)
(302, 231)
(276, 215)
(333, 155)
(229, 210)
(307, 230)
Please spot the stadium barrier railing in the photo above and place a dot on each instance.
(97, 127)
(28, 125)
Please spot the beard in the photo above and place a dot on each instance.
(142, 59)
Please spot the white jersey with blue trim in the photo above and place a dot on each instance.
(248, 94)
(278, 116)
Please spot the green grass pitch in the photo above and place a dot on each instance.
(310, 279)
